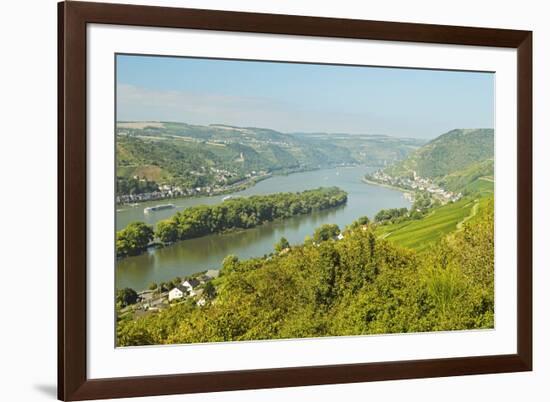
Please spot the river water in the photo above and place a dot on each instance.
(194, 255)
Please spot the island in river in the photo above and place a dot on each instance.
(195, 255)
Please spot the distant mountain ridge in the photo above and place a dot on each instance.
(194, 156)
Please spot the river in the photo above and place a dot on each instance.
(194, 255)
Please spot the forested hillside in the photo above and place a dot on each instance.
(478, 176)
(453, 160)
(191, 156)
(360, 284)
(427, 268)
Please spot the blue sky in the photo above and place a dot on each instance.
(303, 97)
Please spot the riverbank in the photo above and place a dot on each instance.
(376, 183)
(234, 214)
(193, 255)
(240, 186)
(233, 188)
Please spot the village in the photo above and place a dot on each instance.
(197, 288)
(225, 184)
(416, 183)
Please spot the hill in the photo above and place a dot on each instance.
(369, 149)
(448, 153)
(454, 161)
(217, 156)
(476, 177)
(421, 234)
(357, 285)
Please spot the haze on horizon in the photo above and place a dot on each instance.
(292, 97)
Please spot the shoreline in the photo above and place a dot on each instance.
(156, 244)
(243, 186)
(403, 190)
(358, 172)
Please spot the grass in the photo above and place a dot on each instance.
(482, 185)
(150, 172)
(420, 234)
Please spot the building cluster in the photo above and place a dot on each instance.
(151, 301)
(166, 191)
(416, 183)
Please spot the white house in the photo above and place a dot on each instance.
(177, 293)
(340, 236)
(190, 285)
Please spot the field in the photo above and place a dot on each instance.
(420, 234)
(483, 185)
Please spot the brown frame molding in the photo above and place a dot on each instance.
(73, 383)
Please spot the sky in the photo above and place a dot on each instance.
(291, 97)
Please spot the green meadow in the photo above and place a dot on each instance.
(420, 234)
(483, 185)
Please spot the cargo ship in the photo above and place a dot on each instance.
(158, 208)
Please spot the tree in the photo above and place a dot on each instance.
(167, 231)
(153, 286)
(209, 291)
(362, 284)
(229, 264)
(283, 244)
(133, 239)
(175, 282)
(390, 214)
(362, 221)
(246, 213)
(126, 296)
(326, 232)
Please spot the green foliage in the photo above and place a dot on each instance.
(482, 187)
(420, 233)
(131, 185)
(422, 201)
(188, 155)
(167, 231)
(359, 285)
(126, 297)
(210, 291)
(360, 222)
(371, 150)
(447, 154)
(390, 214)
(462, 180)
(244, 213)
(326, 232)
(133, 239)
(229, 265)
(281, 245)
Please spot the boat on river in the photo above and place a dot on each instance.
(158, 208)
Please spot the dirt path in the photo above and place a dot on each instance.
(473, 213)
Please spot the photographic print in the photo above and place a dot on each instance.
(260, 200)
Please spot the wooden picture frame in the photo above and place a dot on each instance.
(73, 382)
